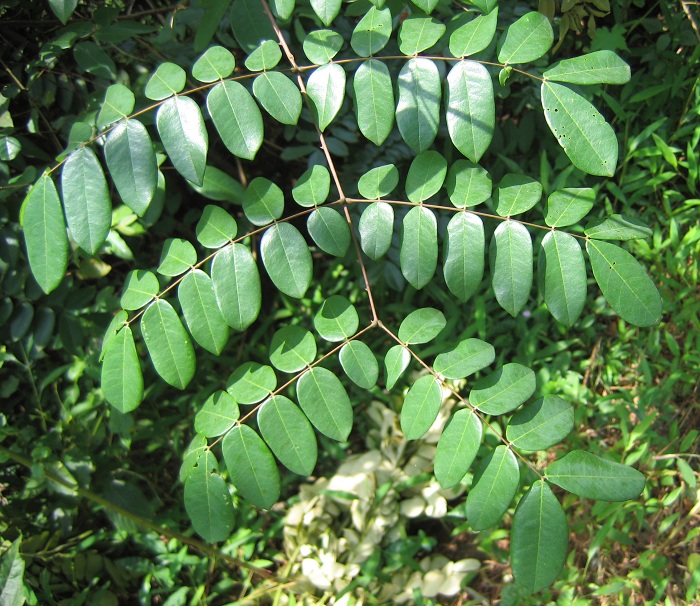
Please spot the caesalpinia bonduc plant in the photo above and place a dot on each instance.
(406, 68)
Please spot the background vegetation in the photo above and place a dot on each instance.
(123, 535)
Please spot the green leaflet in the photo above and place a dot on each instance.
(474, 36)
(41, 218)
(118, 103)
(209, 23)
(196, 448)
(422, 325)
(250, 24)
(168, 344)
(541, 424)
(326, 91)
(279, 96)
(251, 466)
(313, 187)
(419, 249)
(600, 67)
(282, 8)
(457, 447)
(219, 186)
(63, 9)
(494, 488)
(215, 227)
(321, 45)
(376, 229)
(586, 137)
(468, 184)
(336, 319)
(418, 108)
(395, 363)
(511, 266)
(184, 136)
(529, 38)
(420, 407)
(562, 271)
(236, 285)
(118, 321)
(236, 117)
(12, 583)
(86, 199)
(292, 349)
(372, 32)
(169, 79)
(425, 176)
(325, 402)
(427, 6)
(464, 359)
(470, 108)
(132, 164)
(359, 364)
(485, 6)
(378, 182)
(464, 248)
(374, 100)
(266, 56)
(593, 477)
(287, 259)
(625, 284)
(93, 60)
(218, 415)
(251, 382)
(215, 64)
(326, 10)
(568, 206)
(617, 227)
(329, 230)
(516, 194)
(289, 434)
(418, 33)
(207, 500)
(263, 201)
(122, 380)
(177, 257)
(503, 390)
(539, 538)
(140, 287)
(201, 311)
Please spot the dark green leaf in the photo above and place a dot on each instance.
(539, 538)
(425, 176)
(511, 265)
(326, 10)
(289, 434)
(329, 230)
(266, 56)
(219, 186)
(287, 259)
(419, 250)
(250, 24)
(503, 390)
(516, 194)
(586, 137)
(169, 79)
(494, 488)
(625, 285)
(279, 96)
(418, 33)
(541, 424)
(313, 186)
(86, 199)
(359, 364)
(236, 286)
(326, 91)
(427, 6)
(215, 227)
(177, 257)
(292, 349)
(325, 402)
(616, 227)
(457, 447)
(209, 23)
(474, 36)
(422, 325)
(63, 9)
(251, 382)
(132, 164)
(11, 147)
(168, 344)
(372, 32)
(470, 108)
(376, 229)
(593, 477)
(118, 321)
(378, 182)
(41, 218)
(251, 466)
(468, 184)
(418, 108)
(464, 359)
(374, 100)
(420, 407)
(237, 118)
(485, 6)
(527, 39)
(336, 319)
(215, 64)
(184, 136)
(600, 67)
(562, 272)
(139, 288)
(196, 448)
(263, 201)
(320, 46)
(395, 363)
(218, 415)
(122, 380)
(202, 314)
(13, 591)
(464, 255)
(93, 60)
(568, 206)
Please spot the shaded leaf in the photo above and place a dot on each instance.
(418, 253)
(568, 206)
(236, 286)
(374, 100)
(325, 402)
(599, 67)
(326, 91)
(418, 108)
(218, 415)
(425, 177)
(236, 117)
(292, 349)
(503, 390)
(263, 201)
(464, 255)
(474, 36)
(418, 33)
(457, 447)
(529, 38)
(541, 424)
(63, 9)
(511, 266)
(378, 182)
(279, 96)
(122, 379)
(562, 272)
(251, 382)
(395, 363)
(617, 227)
(372, 32)
(336, 319)
(467, 357)
(320, 46)
(313, 187)
(219, 186)
(422, 325)
(140, 287)
(93, 60)
(376, 229)
(494, 488)
(467, 184)
(201, 311)
(329, 230)
(215, 227)
(516, 194)
(359, 364)
(250, 24)
(287, 259)
(177, 257)
(420, 407)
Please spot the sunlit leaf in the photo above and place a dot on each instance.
(395, 363)
(321, 45)
(250, 24)
(122, 379)
(418, 33)
(326, 10)
(378, 182)
(287, 259)
(376, 229)
(215, 64)
(419, 249)
(372, 32)
(562, 272)
(263, 201)
(118, 103)
(527, 39)
(292, 349)
(329, 230)
(418, 108)
(251, 382)
(325, 402)
(215, 227)
(617, 227)
(336, 319)
(493, 490)
(359, 364)
(474, 36)
(218, 414)
(326, 91)
(568, 206)
(516, 194)
(425, 177)
(313, 187)
(177, 257)
(599, 67)
(457, 447)
(374, 100)
(541, 424)
(279, 96)
(236, 285)
(468, 184)
(422, 325)
(236, 117)
(201, 311)
(169, 79)
(464, 249)
(266, 56)
(503, 390)
(140, 287)
(420, 407)
(511, 266)
(464, 359)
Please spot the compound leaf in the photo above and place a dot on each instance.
(216, 63)
(374, 100)
(287, 259)
(418, 33)
(464, 247)
(511, 265)
(168, 79)
(329, 230)
(617, 227)
(326, 10)
(177, 257)
(326, 91)
(425, 176)
(422, 325)
(266, 56)
(122, 379)
(568, 206)
(263, 201)
(418, 108)
(420, 407)
(541, 424)
(376, 229)
(527, 39)
(457, 447)
(219, 414)
(378, 182)
(516, 194)
(503, 390)
(359, 364)
(313, 187)
(279, 96)
(215, 227)
(372, 32)
(140, 287)
(599, 67)
(494, 488)
(419, 248)
(237, 118)
(325, 402)
(251, 382)
(468, 184)
(336, 319)
(118, 104)
(201, 311)
(395, 363)
(236, 285)
(464, 359)
(562, 272)
(321, 45)
(474, 36)
(292, 349)
(250, 24)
